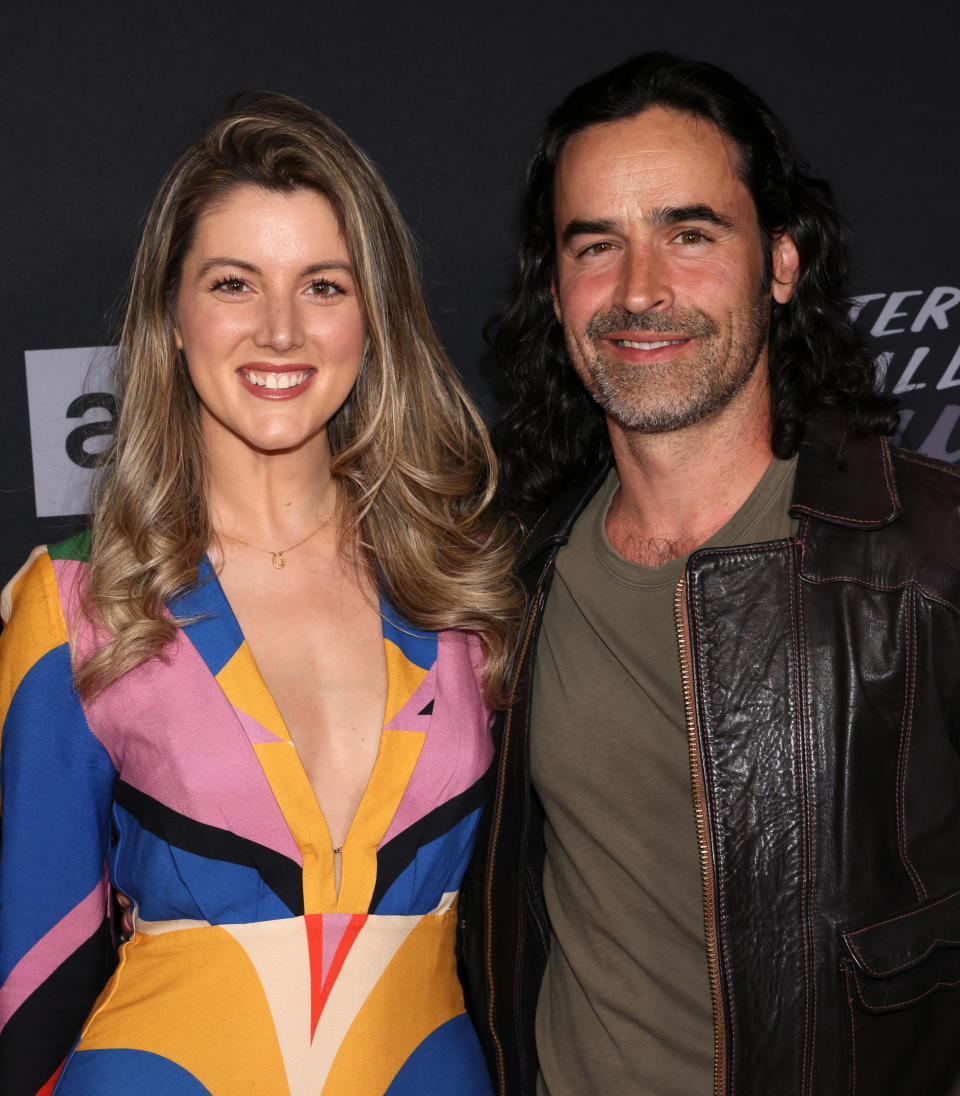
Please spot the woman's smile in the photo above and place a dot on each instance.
(276, 382)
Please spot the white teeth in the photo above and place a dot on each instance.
(648, 345)
(275, 380)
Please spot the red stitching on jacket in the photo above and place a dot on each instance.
(916, 961)
(853, 1032)
(803, 759)
(887, 587)
(872, 522)
(906, 725)
(891, 495)
(848, 934)
(533, 528)
(910, 1001)
(928, 462)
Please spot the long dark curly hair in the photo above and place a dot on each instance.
(551, 430)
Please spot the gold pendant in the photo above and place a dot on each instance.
(278, 561)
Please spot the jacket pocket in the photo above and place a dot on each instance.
(903, 991)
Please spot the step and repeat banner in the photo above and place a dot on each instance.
(100, 98)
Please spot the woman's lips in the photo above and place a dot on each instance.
(276, 382)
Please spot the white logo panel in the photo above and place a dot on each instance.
(72, 416)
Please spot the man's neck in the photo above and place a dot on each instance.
(678, 489)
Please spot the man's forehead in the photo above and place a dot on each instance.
(659, 155)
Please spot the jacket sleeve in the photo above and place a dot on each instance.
(56, 785)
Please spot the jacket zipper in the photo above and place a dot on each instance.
(495, 835)
(706, 860)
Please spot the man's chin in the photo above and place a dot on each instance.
(652, 421)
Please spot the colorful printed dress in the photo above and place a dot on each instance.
(180, 786)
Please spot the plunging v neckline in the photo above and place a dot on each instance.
(397, 753)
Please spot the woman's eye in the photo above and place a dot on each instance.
(231, 285)
(325, 288)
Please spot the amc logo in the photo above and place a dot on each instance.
(72, 417)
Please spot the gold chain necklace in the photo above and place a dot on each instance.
(279, 560)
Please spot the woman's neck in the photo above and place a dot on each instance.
(270, 497)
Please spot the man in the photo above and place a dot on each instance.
(723, 854)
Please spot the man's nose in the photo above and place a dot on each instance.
(644, 283)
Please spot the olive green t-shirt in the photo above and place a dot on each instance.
(625, 1004)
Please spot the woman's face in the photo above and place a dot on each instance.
(268, 318)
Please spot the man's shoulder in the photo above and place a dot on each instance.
(918, 472)
(550, 525)
(929, 493)
(917, 546)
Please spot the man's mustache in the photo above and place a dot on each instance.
(675, 322)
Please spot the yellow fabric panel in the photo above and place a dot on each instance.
(394, 764)
(214, 1021)
(301, 811)
(426, 958)
(36, 626)
(403, 680)
(244, 687)
(396, 759)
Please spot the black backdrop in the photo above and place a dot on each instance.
(98, 98)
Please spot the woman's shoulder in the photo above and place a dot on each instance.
(35, 583)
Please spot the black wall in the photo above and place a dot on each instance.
(98, 98)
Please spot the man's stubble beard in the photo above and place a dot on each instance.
(662, 397)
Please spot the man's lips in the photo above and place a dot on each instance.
(275, 381)
(647, 344)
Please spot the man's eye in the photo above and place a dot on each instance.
(598, 248)
(691, 236)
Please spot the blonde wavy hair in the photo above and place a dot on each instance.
(410, 453)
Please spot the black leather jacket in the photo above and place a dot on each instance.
(822, 679)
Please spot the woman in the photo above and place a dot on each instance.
(255, 697)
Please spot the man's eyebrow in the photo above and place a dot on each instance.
(662, 215)
(671, 215)
(586, 228)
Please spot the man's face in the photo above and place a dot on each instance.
(660, 282)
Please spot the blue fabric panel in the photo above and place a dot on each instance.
(57, 782)
(448, 1061)
(164, 879)
(216, 635)
(419, 647)
(100, 1072)
(436, 869)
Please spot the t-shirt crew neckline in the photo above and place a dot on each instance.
(740, 529)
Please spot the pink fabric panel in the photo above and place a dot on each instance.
(458, 748)
(172, 734)
(52, 949)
